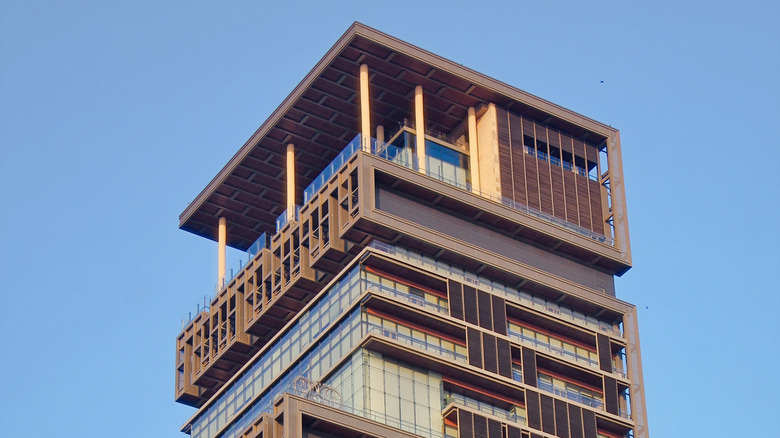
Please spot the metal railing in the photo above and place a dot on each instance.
(286, 217)
(554, 350)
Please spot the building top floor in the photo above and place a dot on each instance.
(368, 82)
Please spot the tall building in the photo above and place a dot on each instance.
(430, 252)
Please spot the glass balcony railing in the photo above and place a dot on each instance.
(499, 289)
(258, 245)
(408, 297)
(418, 343)
(571, 395)
(511, 416)
(195, 311)
(286, 216)
(554, 350)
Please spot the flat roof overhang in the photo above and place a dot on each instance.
(322, 114)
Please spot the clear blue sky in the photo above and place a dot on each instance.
(114, 115)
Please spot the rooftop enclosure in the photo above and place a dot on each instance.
(428, 252)
(322, 115)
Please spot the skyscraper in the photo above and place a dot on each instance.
(429, 252)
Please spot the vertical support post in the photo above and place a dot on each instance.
(419, 127)
(222, 239)
(290, 180)
(365, 113)
(380, 135)
(473, 150)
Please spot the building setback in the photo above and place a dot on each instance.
(431, 253)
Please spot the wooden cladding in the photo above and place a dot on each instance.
(610, 395)
(559, 418)
(547, 177)
(477, 307)
(489, 353)
(471, 425)
(605, 353)
(529, 366)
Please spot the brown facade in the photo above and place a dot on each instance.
(510, 269)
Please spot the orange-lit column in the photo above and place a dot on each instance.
(473, 150)
(222, 233)
(365, 113)
(290, 181)
(419, 127)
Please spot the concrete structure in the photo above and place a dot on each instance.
(431, 253)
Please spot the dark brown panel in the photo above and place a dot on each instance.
(456, 299)
(545, 189)
(532, 178)
(559, 200)
(605, 353)
(504, 154)
(480, 426)
(494, 428)
(485, 313)
(570, 185)
(548, 414)
(504, 358)
(595, 202)
(513, 432)
(499, 315)
(529, 366)
(470, 304)
(528, 127)
(575, 421)
(489, 347)
(474, 343)
(536, 435)
(533, 410)
(582, 200)
(589, 424)
(561, 419)
(465, 424)
(516, 150)
(610, 395)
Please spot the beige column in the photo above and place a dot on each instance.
(365, 114)
(290, 180)
(380, 135)
(473, 150)
(221, 252)
(419, 127)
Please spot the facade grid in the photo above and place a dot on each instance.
(429, 252)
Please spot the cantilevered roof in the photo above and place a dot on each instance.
(322, 115)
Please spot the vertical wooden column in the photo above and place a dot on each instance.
(221, 248)
(419, 127)
(365, 113)
(290, 180)
(473, 150)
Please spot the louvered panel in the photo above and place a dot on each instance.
(499, 315)
(548, 413)
(559, 200)
(504, 155)
(575, 422)
(480, 426)
(605, 353)
(533, 411)
(595, 202)
(494, 429)
(570, 184)
(532, 178)
(489, 350)
(455, 299)
(519, 174)
(485, 312)
(561, 419)
(470, 304)
(504, 358)
(589, 424)
(474, 347)
(582, 201)
(465, 424)
(610, 395)
(544, 187)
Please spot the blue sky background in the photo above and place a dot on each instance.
(114, 115)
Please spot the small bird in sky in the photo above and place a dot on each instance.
(602, 82)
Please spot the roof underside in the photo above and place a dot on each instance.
(322, 115)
